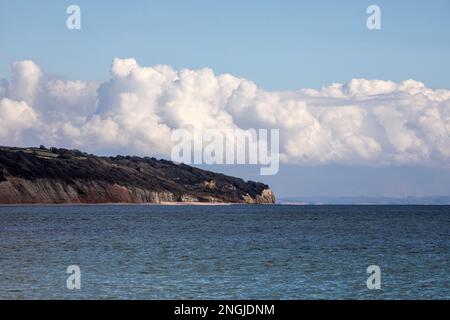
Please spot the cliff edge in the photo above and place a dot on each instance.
(61, 176)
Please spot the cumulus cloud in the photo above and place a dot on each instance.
(15, 116)
(371, 122)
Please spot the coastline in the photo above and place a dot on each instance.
(122, 204)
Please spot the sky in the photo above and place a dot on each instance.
(280, 45)
(280, 59)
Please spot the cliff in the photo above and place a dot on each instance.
(56, 176)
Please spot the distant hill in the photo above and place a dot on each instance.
(43, 176)
(436, 200)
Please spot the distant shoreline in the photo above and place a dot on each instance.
(122, 204)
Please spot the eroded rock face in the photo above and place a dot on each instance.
(266, 197)
(18, 190)
(33, 176)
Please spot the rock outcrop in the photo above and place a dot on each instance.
(58, 176)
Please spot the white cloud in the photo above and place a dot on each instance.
(15, 117)
(25, 80)
(369, 122)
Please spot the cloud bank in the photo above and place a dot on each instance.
(369, 122)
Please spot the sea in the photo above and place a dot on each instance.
(224, 252)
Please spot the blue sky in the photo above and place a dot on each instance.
(280, 45)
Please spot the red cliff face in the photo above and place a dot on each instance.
(41, 176)
(19, 190)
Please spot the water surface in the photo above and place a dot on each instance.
(224, 252)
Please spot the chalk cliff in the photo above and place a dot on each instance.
(53, 176)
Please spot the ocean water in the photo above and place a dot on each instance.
(224, 252)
